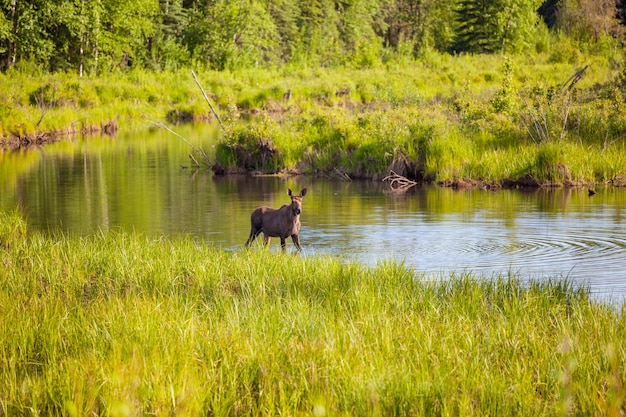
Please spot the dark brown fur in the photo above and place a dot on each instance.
(282, 222)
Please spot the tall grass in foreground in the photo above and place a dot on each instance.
(122, 324)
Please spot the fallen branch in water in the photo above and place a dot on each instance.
(398, 183)
(343, 175)
(194, 160)
(198, 150)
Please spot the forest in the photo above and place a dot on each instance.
(92, 37)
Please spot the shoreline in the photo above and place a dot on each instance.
(42, 138)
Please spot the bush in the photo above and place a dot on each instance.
(250, 148)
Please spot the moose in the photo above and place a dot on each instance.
(282, 222)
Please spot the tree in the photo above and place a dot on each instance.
(478, 26)
(7, 41)
(74, 32)
(421, 23)
(487, 26)
(127, 26)
(24, 31)
(519, 20)
(165, 47)
(318, 38)
(226, 34)
(285, 14)
(548, 11)
(589, 19)
(358, 42)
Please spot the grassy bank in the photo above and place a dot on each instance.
(448, 119)
(121, 324)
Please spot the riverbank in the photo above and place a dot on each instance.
(458, 121)
(118, 323)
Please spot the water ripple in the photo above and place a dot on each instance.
(591, 255)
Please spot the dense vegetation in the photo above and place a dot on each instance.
(444, 118)
(98, 36)
(121, 324)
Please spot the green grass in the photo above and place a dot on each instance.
(122, 324)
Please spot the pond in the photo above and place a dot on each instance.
(145, 181)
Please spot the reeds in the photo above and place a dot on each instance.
(122, 324)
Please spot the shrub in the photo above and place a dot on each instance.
(250, 148)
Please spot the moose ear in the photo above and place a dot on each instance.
(289, 193)
(303, 192)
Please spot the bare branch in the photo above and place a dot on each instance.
(399, 183)
(606, 145)
(207, 100)
(199, 150)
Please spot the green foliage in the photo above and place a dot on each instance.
(565, 50)
(546, 114)
(487, 26)
(584, 20)
(100, 36)
(478, 26)
(413, 27)
(86, 35)
(250, 148)
(547, 161)
(326, 139)
(167, 50)
(64, 93)
(225, 34)
(448, 156)
(504, 100)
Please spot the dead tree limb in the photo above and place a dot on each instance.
(207, 99)
(194, 160)
(195, 148)
(607, 144)
(574, 78)
(398, 183)
(343, 175)
(43, 106)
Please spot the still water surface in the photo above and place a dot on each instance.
(145, 181)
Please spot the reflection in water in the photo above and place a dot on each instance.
(145, 182)
(543, 234)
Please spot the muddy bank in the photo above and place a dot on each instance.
(18, 141)
(259, 156)
(410, 171)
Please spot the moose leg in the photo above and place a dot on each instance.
(253, 235)
(283, 244)
(296, 242)
(266, 240)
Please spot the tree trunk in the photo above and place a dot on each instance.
(12, 45)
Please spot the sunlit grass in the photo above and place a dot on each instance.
(122, 324)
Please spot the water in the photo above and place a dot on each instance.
(145, 181)
(540, 234)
